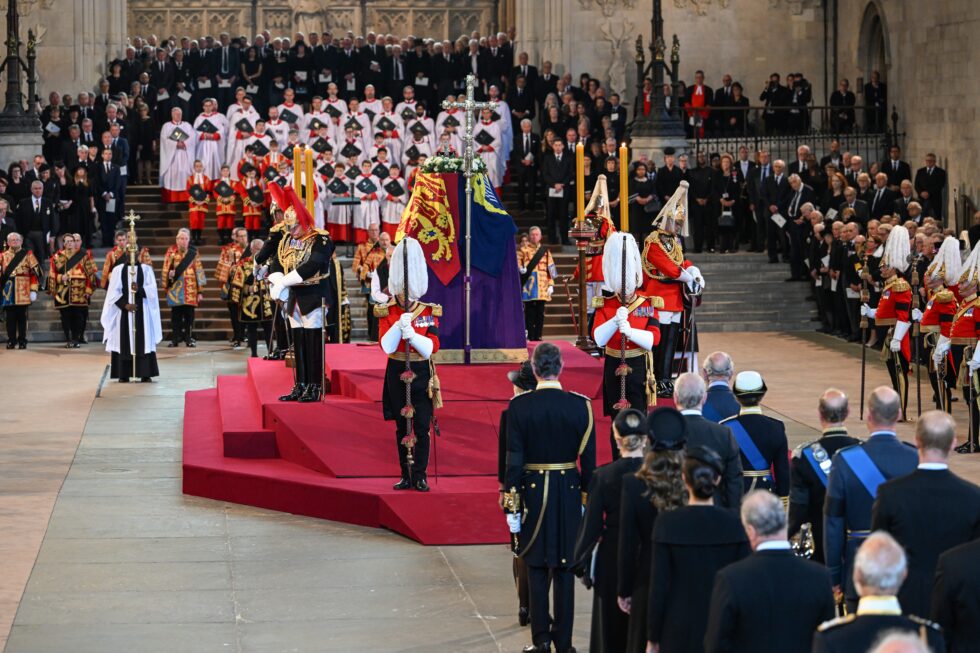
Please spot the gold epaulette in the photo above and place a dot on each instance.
(944, 296)
(656, 301)
(598, 301)
(279, 226)
(839, 621)
(589, 399)
(901, 286)
(381, 310)
(436, 308)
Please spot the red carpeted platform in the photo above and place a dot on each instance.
(337, 459)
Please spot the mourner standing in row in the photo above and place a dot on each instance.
(183, 278)
(20, 276)
(71, 282)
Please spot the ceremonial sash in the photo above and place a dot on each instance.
(709, 413)
(184, 263)
(533, 263)
(14, 262)
(817, 469)
(864, 468)
(72, 262)
(747, 446)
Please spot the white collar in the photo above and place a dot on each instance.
(773, 545)
(691, 411)
(549, 385)
(888, 605)
(718, 384)
(750, 410)
(933, 466)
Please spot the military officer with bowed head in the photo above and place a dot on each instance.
(761, 439)
(300, 277)
(894, 310)
(410, 336)
(941, 279)
(810, 469)
(551, 453)
(961, 350)
(880, 568)
(599, 533)
(856, 473)
(631, 317)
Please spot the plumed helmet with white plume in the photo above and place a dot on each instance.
(674, 212)
(897, 249)
(612, 264)
(947, 263)
(418, 275)
(970, 273)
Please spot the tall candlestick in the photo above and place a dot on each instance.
(310, 182)
(298, 170)
(624, 207)
(579, 181)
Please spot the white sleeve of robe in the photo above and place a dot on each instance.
(111, 313)
(171, 156)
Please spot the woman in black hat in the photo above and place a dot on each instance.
(690, 545)
(523, 381)
(598, 537)
(655, 489)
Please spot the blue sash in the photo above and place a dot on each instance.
(747, 446)
(817, 469)
(864, 468)
(709, 413)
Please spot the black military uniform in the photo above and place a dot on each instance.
(547, 430)
(875, 616)
(309, 256)
(764, 449)
(857, 472)
(928, 512)
(956, 597)
(809, 473)
(280, 325)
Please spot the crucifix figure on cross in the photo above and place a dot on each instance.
(469, 107)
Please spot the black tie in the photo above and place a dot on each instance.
(107, 168)
(527, 142)
(37, 206)
(877, 195)
(224, 60)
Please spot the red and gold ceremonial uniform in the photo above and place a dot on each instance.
(593, 255)
(185, 289)
(641, 381)
(663, 261)
(251, 211)
(230, 254)
(18, 272)
(940, 309)
(894, 306)
(197, 211)
(963, 335)
(424, 385)
(118, 255)
(72, 278)
(224, 206)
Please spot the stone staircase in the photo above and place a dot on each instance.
(744, 292)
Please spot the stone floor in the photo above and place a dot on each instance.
(102, 552)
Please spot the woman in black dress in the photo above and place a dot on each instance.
(655, 489)
(301, 73)
(724, 192)
(82, 206)
(833, 197)
(735, 119)
(690, 545)
(63, 192)
(252, 77)
(640, 194)
(598, 537)
(117, 81)
(145, 143)
(523, 381)
(553, 120)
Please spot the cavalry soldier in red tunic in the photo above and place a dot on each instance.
(626, 318)
(666, 272)
(941, 277)
(596, 212)
(410, 338)
(895, 310)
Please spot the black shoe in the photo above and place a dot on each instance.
(172, 343)
(11, 345)
(295, 394)
(968, 447)
(75, 345)
(145, 379)
(82, 341)
(69, 345)
(403, 484)
(191, 343)
(124, 380)
(312, 393)
(22, 345)
(523, 616)
(665, 389)
(537, 648)
(421, 485)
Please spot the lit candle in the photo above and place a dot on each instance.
(310, 182)
(297, 170)
(579, 181)
(624, 193)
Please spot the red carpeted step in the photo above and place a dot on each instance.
(244, 436)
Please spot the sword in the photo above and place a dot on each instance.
(865, 298)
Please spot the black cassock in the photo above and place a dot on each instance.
(122, 361)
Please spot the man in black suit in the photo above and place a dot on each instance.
(557, 171)
(550, 441)
(776, 194)
(721, 99)
(895, 169)
(862, 213)
(775, 95)
(875, 104)
(348, 65)
(799, 166)
(811, 465)
(523, 69)
(882, 197)
(445, 70)
(162, 74)
(797, 224)
(131, 65)
(37, 221)
(720, 402)
(521, 101)
(879, 569)
(833, 157)
(108, 188)
(546, 84)
(929, 511)
(750, 610)
(498, 65)
(956, 597)
(904, 199)
(395, 71)
(225, 63)
(525, 165)
(755, 188)
(689, 395)
(930, 182)
(842, 100)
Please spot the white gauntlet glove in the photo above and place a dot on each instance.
(867, 311)
(916, 315)
(514, 522)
